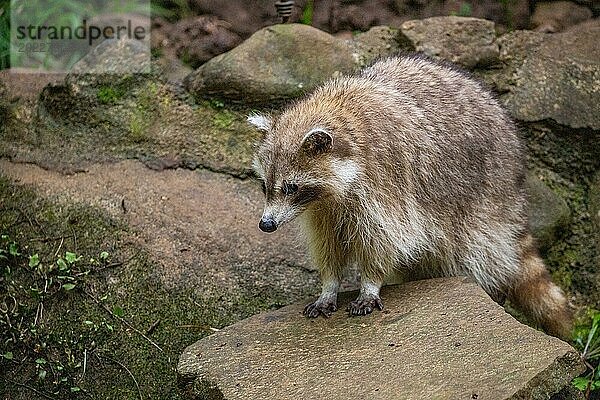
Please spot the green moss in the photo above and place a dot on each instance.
(567, 159)
(109, 94)
(563, 276)
(223, 120)
(215, 104)
(148, 121)
(465, 10)
(156, 52)
(138, 124)
(186, 58)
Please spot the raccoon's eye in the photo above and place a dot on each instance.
(289, 188)
(263, 187)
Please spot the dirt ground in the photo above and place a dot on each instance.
(187, 220)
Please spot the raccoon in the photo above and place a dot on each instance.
(409, 167)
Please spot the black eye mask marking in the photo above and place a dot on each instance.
(263, 187)
(289, 188)
(307, 194)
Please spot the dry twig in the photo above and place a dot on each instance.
(34, 390)
(123, 321)
(126, 369)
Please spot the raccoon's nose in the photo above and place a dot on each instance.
(267, 225)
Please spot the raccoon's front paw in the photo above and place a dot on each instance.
(364, 306)
(313, 310)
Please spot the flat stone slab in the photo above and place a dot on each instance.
(436, 339)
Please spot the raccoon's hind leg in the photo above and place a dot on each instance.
(534, 293)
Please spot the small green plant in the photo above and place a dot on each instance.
(215, 104)
(4, 35)
(465, 10)
(137, 128)
(32, 283)
(109, 94)
(587, 339)
(307, 13)
(172, 10)
(223, 119)
(507, 6)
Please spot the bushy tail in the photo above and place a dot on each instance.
(537, 296)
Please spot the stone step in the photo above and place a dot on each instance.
(436, 339)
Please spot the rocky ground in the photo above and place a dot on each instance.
(150, 178)
(200, 29)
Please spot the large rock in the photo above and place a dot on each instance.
(379, 41)
(441, 338)
(465, 41)
(554, 77)
(277, 62)
(549, 213)
(93, 116)
(115, 58)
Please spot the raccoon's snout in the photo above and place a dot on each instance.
(267, 225)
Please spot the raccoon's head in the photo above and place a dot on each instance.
(299, 164)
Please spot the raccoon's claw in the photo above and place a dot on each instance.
(313, 310)
(365, 306)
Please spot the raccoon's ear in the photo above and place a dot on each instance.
(261, 122)
(317, 141)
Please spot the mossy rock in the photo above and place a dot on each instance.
(466, 41)
(79, 122)
(551, 76)
(549, 214)
(276, 63)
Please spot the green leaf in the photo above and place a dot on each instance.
(34, 260)
(75, 389)
(13, 250)
(70, 257)
(42, 374)
(103, 255)
(40, 361)
(68, 286)
(465, 10)
(118, 311)
(8, 355)
(581, 383)
(62, 265)
(307, 13)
